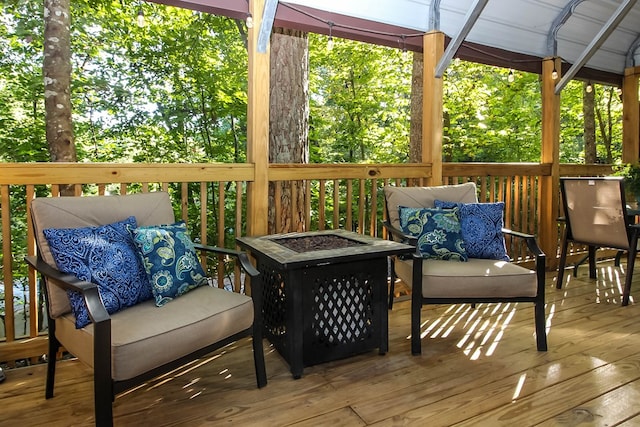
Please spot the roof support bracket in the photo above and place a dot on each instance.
(267, 25)
(434, 16)
(602, 35)
(630, 60)
(469, 20)
(552, 37)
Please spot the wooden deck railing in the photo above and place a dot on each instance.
(211, 198)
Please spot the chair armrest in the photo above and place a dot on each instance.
(399, 235)
(530, 240)
(239, 255)
(70, 282)
(534, 248)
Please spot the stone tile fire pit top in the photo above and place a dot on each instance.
(322, 249)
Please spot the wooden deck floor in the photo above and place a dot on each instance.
(478, 367)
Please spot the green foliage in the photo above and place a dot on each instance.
(175, 90)
(608, 114)
(22, 106)
(631, 175)
(488, 118)
(359, 103)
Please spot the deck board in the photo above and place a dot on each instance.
(478, 367)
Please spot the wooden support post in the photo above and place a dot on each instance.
(549, 186)
(432, 106)
(258, 127)
(630, 116)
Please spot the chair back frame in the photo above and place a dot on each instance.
(595, 211)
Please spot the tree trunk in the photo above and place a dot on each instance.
(288, 125)
(606, 124)
(56, 70)
(415, 127)
(588, 99)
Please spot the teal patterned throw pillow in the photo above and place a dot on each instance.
(438, 232)
(481, 228)
(170, 260)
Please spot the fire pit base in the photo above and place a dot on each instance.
(324, 304)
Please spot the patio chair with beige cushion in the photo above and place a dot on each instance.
(460, 253)
(596, 215)
(127, 295)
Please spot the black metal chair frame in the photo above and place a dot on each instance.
(417, 300)
(105, 387)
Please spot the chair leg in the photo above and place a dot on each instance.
(103, 384)
(578, 264)
(631, 261)
(541, 330)
(54, 347)
(392, 281)
(258, 361)
(416, 307)
(592, 262)
(563, 261)
(103, 408)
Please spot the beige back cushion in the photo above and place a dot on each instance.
(75, 212)
(595, 211)
(424, 197)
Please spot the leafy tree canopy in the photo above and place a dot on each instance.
(175, 90)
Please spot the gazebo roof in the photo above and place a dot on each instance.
(601, 37)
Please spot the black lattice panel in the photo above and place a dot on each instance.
(274, 303)
(343, 305)
(341, 310)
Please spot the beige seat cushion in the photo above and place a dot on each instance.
(476, 278)
(198, 318)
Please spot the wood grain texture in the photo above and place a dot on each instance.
(479, 367)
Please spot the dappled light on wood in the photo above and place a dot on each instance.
(593, 344)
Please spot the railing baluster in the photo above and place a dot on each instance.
(31, 274)
(349, 221)
(184, 201)
(373, 223)
(277, 205)
(336, 203)
(238, 232)
(361, 207)
(5, 212)
(307, 204)
(221, 234)
(321, 205)
(203, 222)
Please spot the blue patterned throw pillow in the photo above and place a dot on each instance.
(103, 255)
(481, 228)
(437, 230)
(170, 260)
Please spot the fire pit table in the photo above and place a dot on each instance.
(325, 293)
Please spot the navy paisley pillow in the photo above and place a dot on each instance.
(104, 255)
(437, 230)
(481, 228)
(169, 259)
